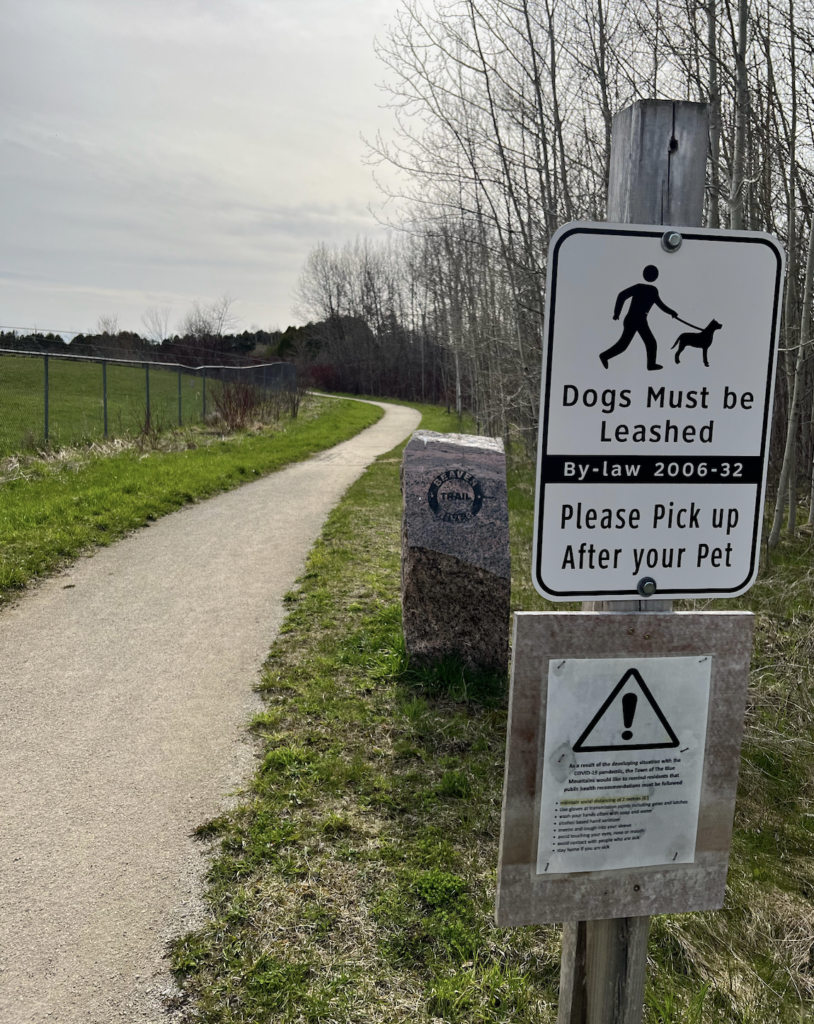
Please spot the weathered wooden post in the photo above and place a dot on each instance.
(455, 563)
(625, 726)
(657, 176)
(658, 163)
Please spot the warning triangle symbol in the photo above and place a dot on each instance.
(630, 719)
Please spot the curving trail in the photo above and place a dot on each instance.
(126, 684)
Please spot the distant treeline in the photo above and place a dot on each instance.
(241, 349)
(373, 356)
(339, 353)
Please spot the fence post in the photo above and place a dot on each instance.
(657, 168)
(147, 392)
(104, 393)
(180, 422)
(45, 360)
(203, 417)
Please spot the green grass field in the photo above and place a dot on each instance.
(76, 405)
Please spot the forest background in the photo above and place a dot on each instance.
(504, 111)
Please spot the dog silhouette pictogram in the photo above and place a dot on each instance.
(701, 340)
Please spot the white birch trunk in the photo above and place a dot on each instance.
(794, 407)
(741, 105)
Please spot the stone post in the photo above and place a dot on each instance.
(455, 562)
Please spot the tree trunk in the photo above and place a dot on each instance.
(794, 402)
(714, 217)
(741, 113)
(811, 498)
(791, 264)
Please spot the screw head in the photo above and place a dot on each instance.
(646, 586)
(671, 241)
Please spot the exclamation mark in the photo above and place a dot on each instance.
(629, 702)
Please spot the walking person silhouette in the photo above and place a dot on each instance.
(642, 299)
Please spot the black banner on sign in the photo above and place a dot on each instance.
(647, 469)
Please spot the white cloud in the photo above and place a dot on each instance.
(161, 152)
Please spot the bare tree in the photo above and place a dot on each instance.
(108, 324)
(156, 323)
(212, 320)
(789, 461)
(223, 318)
(739, 40)
(197, 323)
(504, 112)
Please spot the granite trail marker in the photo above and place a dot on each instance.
(455, 563)
(653, 450)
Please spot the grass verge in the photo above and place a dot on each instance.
(58, 508)
(355, 882)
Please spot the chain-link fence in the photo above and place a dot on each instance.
(61, 399)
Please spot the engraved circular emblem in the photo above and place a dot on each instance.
(455, 496)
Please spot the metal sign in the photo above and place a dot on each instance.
(658, 380)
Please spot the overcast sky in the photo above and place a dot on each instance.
(155, 152)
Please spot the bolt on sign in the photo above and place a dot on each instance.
(657, 388)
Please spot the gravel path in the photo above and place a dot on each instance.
(126, 684)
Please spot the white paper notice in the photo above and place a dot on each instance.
(623, 765)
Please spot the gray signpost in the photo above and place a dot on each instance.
(625, 727)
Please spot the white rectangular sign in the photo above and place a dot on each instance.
(623, 763)
(658, 379)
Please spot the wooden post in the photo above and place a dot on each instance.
(615, 969)
(658, 163)
(573, 1007)
(657, 175)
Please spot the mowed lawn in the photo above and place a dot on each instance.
(76, 404)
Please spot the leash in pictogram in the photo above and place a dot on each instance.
(687, 322)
